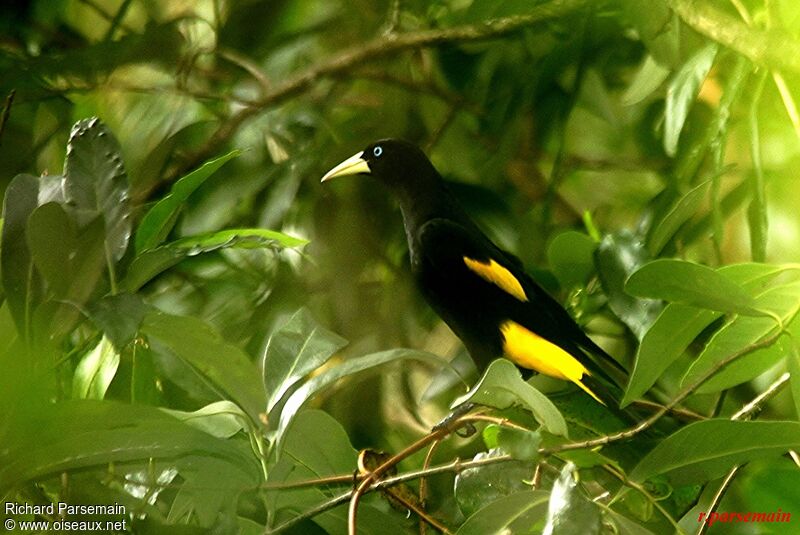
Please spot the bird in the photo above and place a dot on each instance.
(482, 292)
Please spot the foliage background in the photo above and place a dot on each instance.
(589, 138)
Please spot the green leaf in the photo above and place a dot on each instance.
(680, 212)
(475, 487)
(18, 275)
(294, 350)
(315, 445)
(221, 419)
(673, 331)
(619, 255)
(626, 526)
(502, 387)
(53, 244)
(119, 317)
(523, 512)
(95, 371)
(522, 445)
(227, 368)
(648, 78)
(688, 283)
(347, 368)
(682, 92)
(569, 510)
(210, 490)
(743, 331)
(571, 257)
(159, 220)
(77, 434)
(688, 456)
(154, 261)
(678, 325)
(95, 183)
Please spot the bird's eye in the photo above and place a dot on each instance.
(377, 151)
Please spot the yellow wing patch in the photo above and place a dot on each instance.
(531, 351)
(493, 272)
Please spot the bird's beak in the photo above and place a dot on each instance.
(354, 165)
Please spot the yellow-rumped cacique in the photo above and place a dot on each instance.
(482, 292)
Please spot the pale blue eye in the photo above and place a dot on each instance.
(377, 151)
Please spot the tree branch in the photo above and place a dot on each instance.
(772, 48)
(377, 48)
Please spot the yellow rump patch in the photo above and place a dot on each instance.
(493, 272)
(531, 351)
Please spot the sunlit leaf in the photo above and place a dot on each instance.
(297, 348)
(221, 419)
(688, 456)
(152, 262)
(159, 220)
(95, 371)
(649, 77)
(569, 510)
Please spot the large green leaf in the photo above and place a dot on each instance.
(152, 262)
(649, 77)
(706, 450)
(294, 350)
(227, 368)
(742, 331)
(19, 278)
(682, 92)
(678, 281)
(345, 369)
(77, 434)
(53, 244)
(315, 445)
(95, 183)
(502, 387)
(673, 331)
(159, 220)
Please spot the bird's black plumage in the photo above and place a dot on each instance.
(479, 290)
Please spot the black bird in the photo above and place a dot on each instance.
(479, 290)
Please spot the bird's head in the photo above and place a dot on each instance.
(395, 162)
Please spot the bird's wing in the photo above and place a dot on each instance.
(537, 332)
